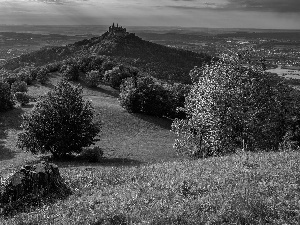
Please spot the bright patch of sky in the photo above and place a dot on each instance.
(281, 14)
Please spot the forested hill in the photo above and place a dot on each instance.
(123, 47)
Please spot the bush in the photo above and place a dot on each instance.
(61, 123)
(25, 75)
(53, 67)
(231, 106)
(151, 96)
(42, 75)
(19, 86)
(22, 98)
(144, 95)
(10, 78)
(70, 70)
(129, 97)
(107, 65)
(92, 78)
(6, 98)
(34, 73)
(116, 76)
(92, 154)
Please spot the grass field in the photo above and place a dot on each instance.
(144, 182)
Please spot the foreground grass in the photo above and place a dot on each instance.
(241, 189)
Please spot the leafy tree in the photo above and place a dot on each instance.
(232, 106)
(92, 78)
(60, 123)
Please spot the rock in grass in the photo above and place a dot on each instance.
(31, 184)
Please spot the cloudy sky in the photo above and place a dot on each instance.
(187, 13)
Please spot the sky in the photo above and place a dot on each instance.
(266, 14)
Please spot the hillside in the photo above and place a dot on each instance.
(123, 47)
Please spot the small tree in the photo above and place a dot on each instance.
(60, 123)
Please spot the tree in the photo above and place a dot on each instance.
(61, 123)
(233, 106)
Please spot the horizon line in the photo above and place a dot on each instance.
(162, 26)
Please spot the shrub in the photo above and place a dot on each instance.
(6, 98)
(61, 123)
(53, 67)
(107, 65)
(177, 94)
(34, 73)
(92, 154)
(231, 106)
(10, 78)
(92, 78)
(116, 76)
(25, 75)
(96, 62)
(151, 96)
(70, 69)
(129, 97)
(19, 86)
(42, 75)
(144, 95)
(22, 98)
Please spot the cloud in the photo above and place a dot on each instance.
(58, 2)
(284, 6)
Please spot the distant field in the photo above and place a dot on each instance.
(290, 72)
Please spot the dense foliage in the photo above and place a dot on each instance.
(6, 98)
(232, 106)
(116, 75)
(61, 123)
(19, 86)
(92, 78)
(22, 98)
(153, 97)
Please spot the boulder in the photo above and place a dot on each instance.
(30, 184)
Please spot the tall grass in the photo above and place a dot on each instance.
(239, 189)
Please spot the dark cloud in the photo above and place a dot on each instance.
(265, 5)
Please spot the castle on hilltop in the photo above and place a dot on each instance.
(116, 30)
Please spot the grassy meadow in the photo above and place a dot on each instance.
(143, 181)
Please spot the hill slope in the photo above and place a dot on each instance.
(161, 61)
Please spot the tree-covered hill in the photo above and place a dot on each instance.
(160, 61)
